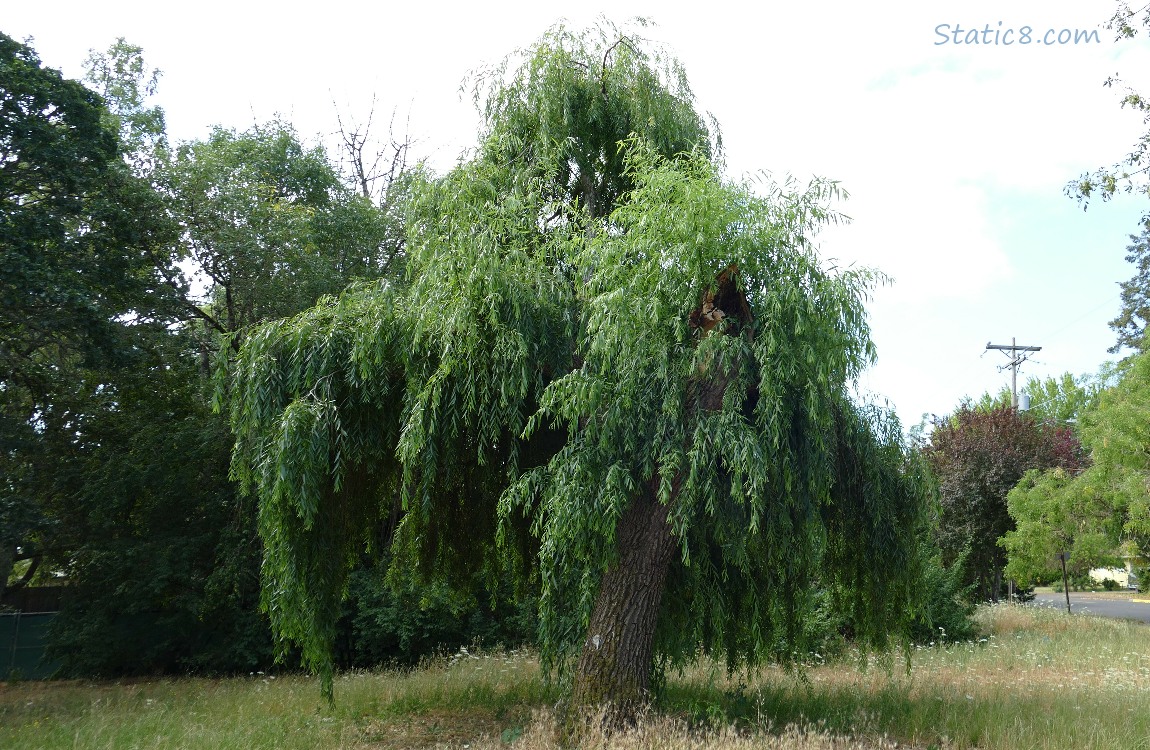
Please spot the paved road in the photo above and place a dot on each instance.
(1104, 605)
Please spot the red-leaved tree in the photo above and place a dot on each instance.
(978, 455)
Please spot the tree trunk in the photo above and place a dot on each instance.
(615, 665)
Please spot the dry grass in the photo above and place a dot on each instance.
(1037, 680)
(669, 733)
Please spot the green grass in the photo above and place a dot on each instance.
(448, 700)
(1036, 679)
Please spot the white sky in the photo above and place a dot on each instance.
(955, 156)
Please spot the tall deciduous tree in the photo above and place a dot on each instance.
(75, 225)
(77, 230)
(268, 226)
(112, 466)
(978, 456)
(608, 367)
(121, 76)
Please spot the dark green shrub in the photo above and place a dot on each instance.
(945, 603)
(401, 625)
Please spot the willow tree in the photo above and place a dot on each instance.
(605, 367)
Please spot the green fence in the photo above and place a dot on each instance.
(22, 639)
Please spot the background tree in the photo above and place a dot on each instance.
(1059, 400)
(115, 470)
(1130, 325)
(1102, 511)
(1050, 518)
(75, 227)
(373, 169)
(1129, 174)
(267, 224)
(1064, 399)
(608, 368)
(121, 76)
(76, 281)
(160, 555)
(978, 455)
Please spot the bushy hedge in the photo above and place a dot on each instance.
(386, 625)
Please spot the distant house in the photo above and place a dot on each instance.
(1124, 577)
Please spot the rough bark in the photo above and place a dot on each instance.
(614, 668)
(615, 663)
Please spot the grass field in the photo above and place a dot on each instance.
(1035, 679)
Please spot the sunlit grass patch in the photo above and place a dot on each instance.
(1036, 678)
(673, 733)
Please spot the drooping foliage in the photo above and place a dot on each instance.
(558, 110)
(978, 455)
(591, 316)
(760, 484)
(1099, 513)
(113, 469)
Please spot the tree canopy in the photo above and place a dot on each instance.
(122, 78)
(1130, 325)
(1102, 511)
(1059, 400)
(606, 366)
(978, 455)
(77, 281)
(74, 228)
(114, 472)
(268, 224)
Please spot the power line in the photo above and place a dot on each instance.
(1085, 315)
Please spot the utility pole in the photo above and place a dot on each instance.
(1016, 359)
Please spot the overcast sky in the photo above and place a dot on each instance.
(955, 155)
